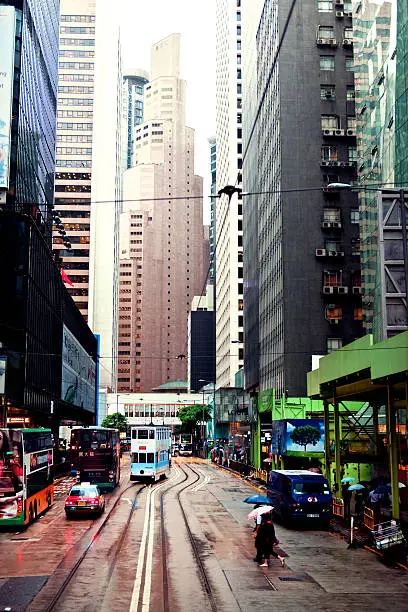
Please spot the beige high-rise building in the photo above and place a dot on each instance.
(74, 142)
(162, 263)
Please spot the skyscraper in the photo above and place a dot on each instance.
(133, 86)
(106, 185)
(161, 250)
(228, 212)
(307, 235)
(76, 72)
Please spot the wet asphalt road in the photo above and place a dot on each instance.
(185, 544)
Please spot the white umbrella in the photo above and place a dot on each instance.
(257, 511)
(400, 485)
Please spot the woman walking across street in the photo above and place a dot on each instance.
(265, 540)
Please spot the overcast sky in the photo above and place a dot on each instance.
(145, 22)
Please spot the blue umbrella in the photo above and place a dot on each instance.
(257, 499)
(347, 479)
(356, 487)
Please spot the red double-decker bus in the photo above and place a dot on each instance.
(95, 455)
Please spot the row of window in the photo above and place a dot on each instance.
(77, 42)
(73, 188)
(327, 63)
(73, 163)
(76, 77)
(75, 102)
(75, 114)
(328, 92)
(76, 66)
(330, 153)
(77, 30)
(332, 122)
(77, 89)
(326, 6)
(333, 215)
(78, 18)
(75, 53)
(73, 151)
(73, 176)
(74, 138)
(84, 127)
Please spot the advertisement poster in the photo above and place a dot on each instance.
(7, 38)
(78, 373)
(298, 437)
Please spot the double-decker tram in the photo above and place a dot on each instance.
(150, 452)
(95, 455)
(26, 474)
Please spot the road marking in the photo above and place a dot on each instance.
(147, 540)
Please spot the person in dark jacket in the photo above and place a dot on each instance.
(265, 540)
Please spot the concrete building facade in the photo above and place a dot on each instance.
(76, 72)
(133, 88)
(228, 212)
(162, 234)
(308, 237)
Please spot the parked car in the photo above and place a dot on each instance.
(84, 498)
(185, 450)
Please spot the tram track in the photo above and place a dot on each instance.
(72, 572)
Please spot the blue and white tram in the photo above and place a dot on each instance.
(150, 452)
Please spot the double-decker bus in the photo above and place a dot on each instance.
(26, 474)
(95, 455)
(150, 452)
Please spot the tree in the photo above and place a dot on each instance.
(306, 434)
(191, 415)
(116, 421)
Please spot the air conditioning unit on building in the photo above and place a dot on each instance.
(347, 42)
(357, 290)
(333, 42)
(335, 253)
(327, 289)
(332, 320)
(320, 252)
(321, 41)
(336, 224)
(339, 14)
(342, 290)
(339, 132)
(324, 163)
(351, 132)
(327, 132)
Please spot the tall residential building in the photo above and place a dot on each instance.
(133, 86)
(162, 235)
(76, 73)
(213, 169)
(106, 191)
(228, 211)
(308, 253)
(201, 340)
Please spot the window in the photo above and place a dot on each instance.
(348, 6)
(330, 122)
(331, 214)
(325, 32)
(355, 246)
(333, 344)
(352, 153)
(324, 6)
(355, 216)
(327, 62)
(351, 123)
(329, 153)
(348, 33)
(350, 64)
(351, 94)
(238, 30)
(327, 92)
(358, 313)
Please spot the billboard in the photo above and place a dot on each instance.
(7, 38)
(303, 437)
(78, 373)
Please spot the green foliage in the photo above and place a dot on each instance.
(305, 435)
(116, 421)
(191, 415)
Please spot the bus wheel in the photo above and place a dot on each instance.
(35, 509)
(30, 514)
(49, 501)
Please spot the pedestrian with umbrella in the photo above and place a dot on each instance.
(265, 540)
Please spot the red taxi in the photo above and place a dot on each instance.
(84, 498)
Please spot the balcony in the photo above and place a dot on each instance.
(334, 313)
(357, 290)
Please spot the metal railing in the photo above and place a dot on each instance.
(369, 518)
(338, 507)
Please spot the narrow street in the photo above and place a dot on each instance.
(184, 544)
